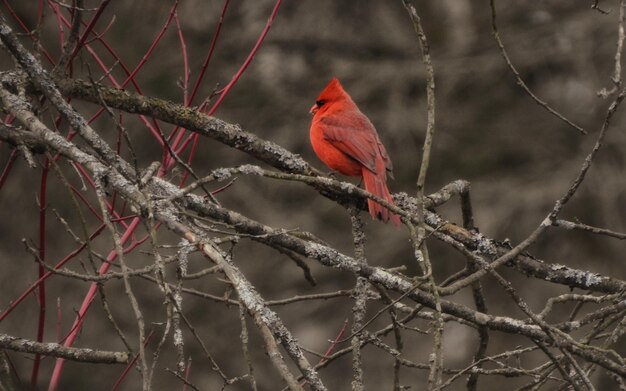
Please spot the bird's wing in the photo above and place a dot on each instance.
(352, 133)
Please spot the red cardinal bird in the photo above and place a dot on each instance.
(347, 142)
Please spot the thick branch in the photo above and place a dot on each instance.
(55, 350)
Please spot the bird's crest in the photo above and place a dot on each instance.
(333, 92)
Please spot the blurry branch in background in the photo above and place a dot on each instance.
(518, 78)
(596, 7)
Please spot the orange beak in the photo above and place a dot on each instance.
(314, 109)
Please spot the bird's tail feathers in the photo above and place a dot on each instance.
(378, 186)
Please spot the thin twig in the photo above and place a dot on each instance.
(518, 78)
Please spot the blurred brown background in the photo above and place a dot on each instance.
(519, 158)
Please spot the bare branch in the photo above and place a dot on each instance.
(55, 350)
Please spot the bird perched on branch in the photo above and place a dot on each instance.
(346, 141)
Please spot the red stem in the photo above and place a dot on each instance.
(8, 167)
(334, 342)
(194, 147)
(36, 284)
(243, 68)
(130, 77)
(91, 293)
(40, 6)
(153, 45)
(62, 262)
(90, 26)
(57, 12)
(210, 54)
(26, 29)
(240, 72)
(187, 374)
(130, 365)
(183, 48)
(196, 86)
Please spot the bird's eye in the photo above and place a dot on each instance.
(320, 103)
